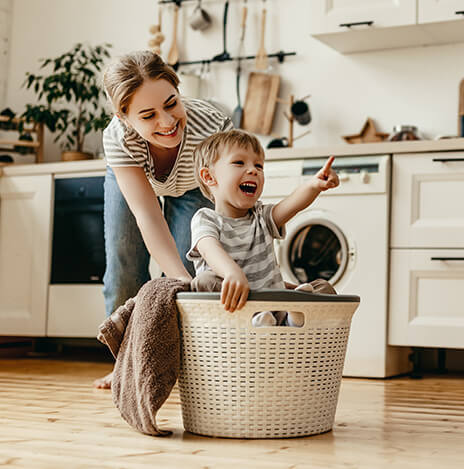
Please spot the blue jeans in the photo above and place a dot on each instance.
(127, 258)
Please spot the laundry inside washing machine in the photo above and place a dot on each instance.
(317, 251)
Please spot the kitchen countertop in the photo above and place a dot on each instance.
(382, 148)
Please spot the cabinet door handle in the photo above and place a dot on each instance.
(359, 23)
(446, 160)
(447, 258)
(461, 12)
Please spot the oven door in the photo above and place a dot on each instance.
(78, 254)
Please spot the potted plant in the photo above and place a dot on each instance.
(73, 97)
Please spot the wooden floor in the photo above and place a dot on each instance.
(51, 417)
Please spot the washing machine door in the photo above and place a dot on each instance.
(315, 247)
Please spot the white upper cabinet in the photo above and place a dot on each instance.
(363, 25)
(331, 16)
(432, 11)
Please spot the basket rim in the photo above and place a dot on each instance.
(275, 295)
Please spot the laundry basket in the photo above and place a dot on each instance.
(241, 381)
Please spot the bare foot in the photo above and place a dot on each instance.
(104, 383)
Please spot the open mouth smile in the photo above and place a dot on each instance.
(248, 188)
(169, 133)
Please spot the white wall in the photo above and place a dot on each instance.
(405, 86)
(5, 31)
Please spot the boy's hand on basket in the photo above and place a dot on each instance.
(235, 290)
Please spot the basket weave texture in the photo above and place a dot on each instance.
(271, 382)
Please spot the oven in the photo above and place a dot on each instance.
(78, 247)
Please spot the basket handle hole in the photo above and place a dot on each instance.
(278, 318)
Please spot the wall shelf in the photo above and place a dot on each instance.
(10, 145)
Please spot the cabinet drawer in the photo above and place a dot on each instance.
(431, 11)
(427, 200)
(75, 310)
(331, 16)
(426, 303)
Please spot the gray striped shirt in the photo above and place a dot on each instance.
(125, 147)
(248, 240)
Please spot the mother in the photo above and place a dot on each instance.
(148, 148)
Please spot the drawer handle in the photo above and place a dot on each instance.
(447, 258)
(446, 160)
(461, 12)
(359, 23)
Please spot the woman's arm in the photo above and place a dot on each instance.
(304, 195)
(155, 231)
(235, 288)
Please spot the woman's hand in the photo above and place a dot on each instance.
(235, 290)
(326, 177)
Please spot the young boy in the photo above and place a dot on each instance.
(235, 240)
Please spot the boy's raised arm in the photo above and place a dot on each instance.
(304, 195)
(235, 288)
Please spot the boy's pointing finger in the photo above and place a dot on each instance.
(328, 165)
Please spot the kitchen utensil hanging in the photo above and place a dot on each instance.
(261, 55)
(461, 109)
(173, 55)
(224, 55)
(199, 19)
(158, 37)
(238, 111)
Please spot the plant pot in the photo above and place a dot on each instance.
(75, 156)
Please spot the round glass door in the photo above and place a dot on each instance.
(318, 250)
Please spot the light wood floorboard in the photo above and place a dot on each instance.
(51, 417)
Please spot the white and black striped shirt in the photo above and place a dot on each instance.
(125, 147)
(248, 240)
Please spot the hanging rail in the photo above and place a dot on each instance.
(279, 55)
(177, 2)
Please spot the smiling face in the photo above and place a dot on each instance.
(156, 113)
(236, 180)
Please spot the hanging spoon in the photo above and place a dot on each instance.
(261, 55)
(173, 55)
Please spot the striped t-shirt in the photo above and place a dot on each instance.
(123, 146)
(248, 240)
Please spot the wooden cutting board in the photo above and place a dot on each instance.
(260, 102)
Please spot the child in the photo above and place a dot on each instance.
(235, 240)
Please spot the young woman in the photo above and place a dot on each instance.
(148, 148)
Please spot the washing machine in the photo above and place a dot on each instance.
(343, 237)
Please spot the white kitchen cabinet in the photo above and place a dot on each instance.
(362, 25)
(331, 16)
(75, 310)
(427, 200)
(427, 250)
(426, 303)
(432, 11)
(25, 234)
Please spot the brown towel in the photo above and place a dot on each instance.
(112, 329)
(148, 361)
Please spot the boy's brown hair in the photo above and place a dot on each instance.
(209, 151)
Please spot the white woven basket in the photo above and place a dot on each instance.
(270, 382)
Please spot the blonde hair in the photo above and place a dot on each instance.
(209, 151)
(125, 75)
